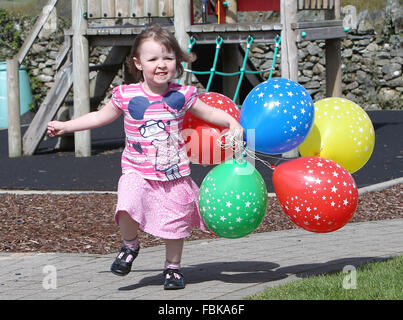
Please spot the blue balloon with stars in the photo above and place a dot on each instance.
(279, 113)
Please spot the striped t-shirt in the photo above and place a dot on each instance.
(154, 145)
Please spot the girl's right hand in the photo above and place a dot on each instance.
(56, 128)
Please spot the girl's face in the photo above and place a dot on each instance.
(157, 64)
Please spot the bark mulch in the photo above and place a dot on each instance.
(84, 223)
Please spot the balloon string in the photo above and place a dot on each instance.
(230, 140)
(253, 155)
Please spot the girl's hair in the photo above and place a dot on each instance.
(165, 38)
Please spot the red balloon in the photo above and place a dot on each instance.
(317, 194)
(201, 137)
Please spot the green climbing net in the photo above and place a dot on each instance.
(242, 71)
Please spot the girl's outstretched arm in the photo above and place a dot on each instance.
(90, 120)
(217, 117)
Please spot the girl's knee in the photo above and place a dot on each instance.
(123, 217)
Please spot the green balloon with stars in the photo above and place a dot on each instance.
(233, 199)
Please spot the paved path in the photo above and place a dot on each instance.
(216, 269)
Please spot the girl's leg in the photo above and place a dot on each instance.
(173, 252)
(129, 229)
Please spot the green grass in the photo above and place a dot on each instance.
(374, 281)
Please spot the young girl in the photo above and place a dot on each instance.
(155, 191)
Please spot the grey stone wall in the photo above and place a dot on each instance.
(372, 58)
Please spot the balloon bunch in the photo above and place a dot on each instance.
(334, 136)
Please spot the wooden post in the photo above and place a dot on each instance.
(333, 68)
(230, 56)
(333, 58)
(182, 23)
(231, 63)
(13, 101)
(232, 12)
(81, 91)
(289, 50)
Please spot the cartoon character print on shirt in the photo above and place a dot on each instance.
(166, 150)
(138, 105)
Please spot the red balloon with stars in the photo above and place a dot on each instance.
(201, 137)
(317, 194)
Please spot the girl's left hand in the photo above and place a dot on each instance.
(236, 130)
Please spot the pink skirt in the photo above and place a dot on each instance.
(165, 209)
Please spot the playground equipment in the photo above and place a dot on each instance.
(116, 23)
(25, 93)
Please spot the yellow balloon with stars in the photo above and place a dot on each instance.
(342, 131)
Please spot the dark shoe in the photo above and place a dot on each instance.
(173, 279)
(123, 262)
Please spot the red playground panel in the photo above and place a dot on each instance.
(219, 7)
(258, 5)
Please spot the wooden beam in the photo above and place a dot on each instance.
(321, 33)
(333, 58)
(182, 23)
(333, 68)
(48, 108)
(63, 52)
(317, 24)
(235, 33)
(231, 63)
(13, 102)
(289, 50)
(82, 139)
(232, 12)
(105, 76)
(36, 29)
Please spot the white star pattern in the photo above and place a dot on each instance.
(218, 101)
(328, 202)
(343, 119)
(288, 99)
(241, 207)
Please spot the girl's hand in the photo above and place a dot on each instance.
(56, 128)
(236, 130)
